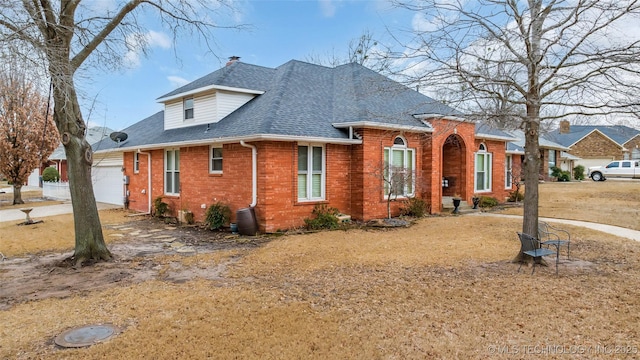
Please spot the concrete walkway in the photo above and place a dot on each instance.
(615, 230)
(44, 211)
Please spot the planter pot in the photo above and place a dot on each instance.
(456, 204)
(476, 201)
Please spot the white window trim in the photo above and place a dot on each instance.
(508, 169)
(309, 172)
(173, 172)
(482, 149)
(406, 149)
(211, 171)
(136, 162)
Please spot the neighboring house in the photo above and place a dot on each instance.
(58, 158)
(597, 145)
(551, 153)
(287, 139)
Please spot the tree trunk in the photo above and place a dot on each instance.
(17, 194)
(89, 240)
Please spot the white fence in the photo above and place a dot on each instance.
(56, 190)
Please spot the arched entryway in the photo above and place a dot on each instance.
(454, 165)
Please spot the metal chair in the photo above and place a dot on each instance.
(531, 247)
(552, 236)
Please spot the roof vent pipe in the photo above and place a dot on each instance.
(254, 172)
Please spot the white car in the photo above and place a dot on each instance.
(616, 169)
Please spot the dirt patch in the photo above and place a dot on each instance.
(145, 250)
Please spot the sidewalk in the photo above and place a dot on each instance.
(44, 211)
(615, 230)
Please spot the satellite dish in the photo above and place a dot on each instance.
(118, 136)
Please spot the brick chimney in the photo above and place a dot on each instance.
(233, 59)
(565, 127)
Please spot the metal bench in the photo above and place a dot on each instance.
(531, 246)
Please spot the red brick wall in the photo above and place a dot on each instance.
(353, 176)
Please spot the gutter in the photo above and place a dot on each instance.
(254, 173)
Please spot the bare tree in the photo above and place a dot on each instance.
(564, 58)
(364, 50)
(28, 134)
(69, 34)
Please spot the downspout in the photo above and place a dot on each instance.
(148, 179)
(254, 172)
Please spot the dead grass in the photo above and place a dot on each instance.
(55, 234)
(442, 289)
(612, 202)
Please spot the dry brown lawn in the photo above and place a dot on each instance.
(442, 289)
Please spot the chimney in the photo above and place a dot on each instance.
(565, 128)
(233, 59)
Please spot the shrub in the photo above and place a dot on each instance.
(488, 202)
(160, 207)
(50, 174)
(326, 218)
(560, 175)
(515, 196)
(415, 207)
(578, 172)
(217, 216)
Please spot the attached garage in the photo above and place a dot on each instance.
(108, 184)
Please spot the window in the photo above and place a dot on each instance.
(215, 164)
(172, 172)
(483, 170)
(136, 162)
(508, 168)
(311, 175)
(399, 160)
(626, 164)
(552, 160)
(188, 108)
(614, 164)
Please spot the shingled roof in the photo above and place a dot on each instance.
(618, 133)
(296, 100)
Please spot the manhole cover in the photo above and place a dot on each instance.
(86, 335)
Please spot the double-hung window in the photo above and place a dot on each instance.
(399, 169)
(311, 173)
(215, 162)
(188, 108)
(483, 170)
(172, 172)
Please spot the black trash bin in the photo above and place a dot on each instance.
(247, 222)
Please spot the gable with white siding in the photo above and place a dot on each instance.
(208, 107)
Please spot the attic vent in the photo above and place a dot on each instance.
(356, 135)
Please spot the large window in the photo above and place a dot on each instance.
(508, 171)
(399, 169)
(215, 163)
(188, 108)
(483, 170)
(172, 172)
(311, 175)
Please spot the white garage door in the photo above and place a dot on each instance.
(107, 184)
(107, 178)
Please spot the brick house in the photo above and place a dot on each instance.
(551, 153)
(598, 144)
(282, 140)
